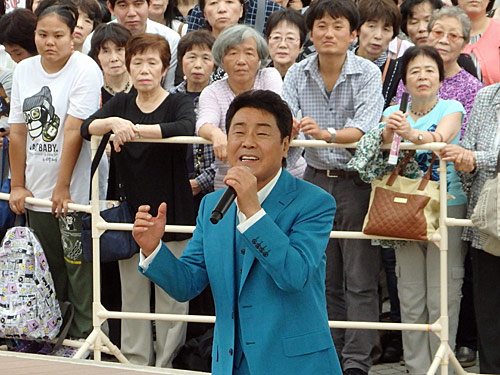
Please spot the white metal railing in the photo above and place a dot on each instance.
(99, 342)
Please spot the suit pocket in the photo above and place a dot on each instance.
(308, 343)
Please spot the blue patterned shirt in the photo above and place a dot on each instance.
(356, 101)
(196, 20)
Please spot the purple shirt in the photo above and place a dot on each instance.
(462, 87)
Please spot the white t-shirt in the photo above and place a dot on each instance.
(172, 38)
(41, 102)
(5, 61)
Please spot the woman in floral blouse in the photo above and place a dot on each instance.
(477, 158)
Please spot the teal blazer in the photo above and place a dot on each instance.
(281, 300)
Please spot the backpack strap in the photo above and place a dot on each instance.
(67, 313)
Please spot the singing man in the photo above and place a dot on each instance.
(265, 259)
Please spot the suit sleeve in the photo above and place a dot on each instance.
(182, 278)
(292, 258)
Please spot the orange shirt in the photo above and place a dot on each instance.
(487, 52)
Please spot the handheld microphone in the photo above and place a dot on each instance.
(223, 205)
(396, 140)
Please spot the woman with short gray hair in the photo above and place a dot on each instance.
(452, 12)
(236, 36)
(242, 52)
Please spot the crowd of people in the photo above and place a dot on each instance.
(70, 69)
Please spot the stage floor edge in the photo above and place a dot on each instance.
(12, 363)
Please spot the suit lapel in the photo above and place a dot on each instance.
(276, 201)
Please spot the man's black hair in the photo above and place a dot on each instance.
(18, 28)
(264, 100)
(113, 3)
(335, 9)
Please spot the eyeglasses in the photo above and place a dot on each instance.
(452, 37)
(276, 39)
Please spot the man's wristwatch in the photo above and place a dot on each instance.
(333, 133)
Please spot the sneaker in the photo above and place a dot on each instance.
(46, 349)
(65, 351)
(466, 356)
(70, 351)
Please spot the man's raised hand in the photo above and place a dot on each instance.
(149, 230)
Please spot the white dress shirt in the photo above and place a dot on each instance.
(244, 222)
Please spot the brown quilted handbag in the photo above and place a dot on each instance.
(401, 207)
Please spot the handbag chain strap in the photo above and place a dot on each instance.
(97, 158)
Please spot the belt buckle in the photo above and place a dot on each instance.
(330, 175)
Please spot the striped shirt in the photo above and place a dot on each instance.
(356, 101)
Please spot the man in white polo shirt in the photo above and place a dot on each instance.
(133, 14)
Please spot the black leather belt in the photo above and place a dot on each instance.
(336, 173)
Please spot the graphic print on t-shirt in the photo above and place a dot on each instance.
(40, 117)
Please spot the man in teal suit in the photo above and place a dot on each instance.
(265, 260)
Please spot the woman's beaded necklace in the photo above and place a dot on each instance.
(420, 114)
(113, 92)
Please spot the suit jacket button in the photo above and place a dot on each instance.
(242, 251)
(254, 241)
(230, 351)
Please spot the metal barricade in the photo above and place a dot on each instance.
(99, 342)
